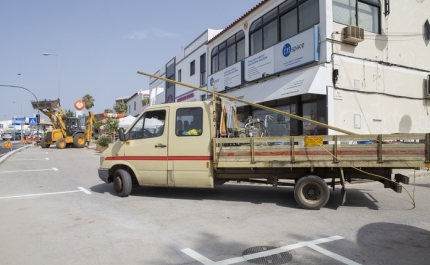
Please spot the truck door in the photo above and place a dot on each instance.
(146, 149)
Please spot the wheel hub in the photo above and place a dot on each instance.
(311, 192)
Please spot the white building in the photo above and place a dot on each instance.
(361, 65)
(135, 103)
(189, 66)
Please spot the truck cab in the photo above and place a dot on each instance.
(167, 145)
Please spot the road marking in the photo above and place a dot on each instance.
(311, 244)
(84, 190)
(81, 189)
(333, 255)
(28, 159)
(30, 170)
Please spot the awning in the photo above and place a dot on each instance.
(311, 80)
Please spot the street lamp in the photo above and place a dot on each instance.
(20, 93)
(46, 54)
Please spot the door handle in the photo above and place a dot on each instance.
(160, 145)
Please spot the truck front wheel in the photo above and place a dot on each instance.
(122, 183)
(311, 192)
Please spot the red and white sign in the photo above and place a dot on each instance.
(79, 104)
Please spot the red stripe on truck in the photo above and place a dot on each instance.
(160, 158)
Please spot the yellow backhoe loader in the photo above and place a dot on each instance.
(67, 131)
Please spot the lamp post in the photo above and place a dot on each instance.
(20, 93)
(59, 70)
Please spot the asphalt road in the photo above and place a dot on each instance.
(55, 210)
(15, 145)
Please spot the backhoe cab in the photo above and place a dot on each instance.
(67, 131)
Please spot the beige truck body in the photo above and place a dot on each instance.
(173, 155)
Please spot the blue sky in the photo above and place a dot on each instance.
(102, 44)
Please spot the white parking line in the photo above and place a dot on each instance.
(332, 255)
(28, 159)
(81, 189)
(30, 170)
(311, 244)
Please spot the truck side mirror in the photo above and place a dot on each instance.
(121, 135)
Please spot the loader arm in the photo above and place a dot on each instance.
(89, 126)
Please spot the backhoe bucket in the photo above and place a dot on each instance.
(45, 104)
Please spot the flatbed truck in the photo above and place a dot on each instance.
(199, 145)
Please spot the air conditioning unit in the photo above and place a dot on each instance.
(353, 34)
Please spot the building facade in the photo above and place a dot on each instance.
(361, 65)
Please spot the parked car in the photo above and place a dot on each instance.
(6, 136)
(13, 136)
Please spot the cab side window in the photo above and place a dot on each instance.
(150, 124)
(189, 122)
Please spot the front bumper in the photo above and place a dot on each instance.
(104, 174)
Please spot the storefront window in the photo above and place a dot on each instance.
(277, 124)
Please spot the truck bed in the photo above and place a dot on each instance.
(331, 151)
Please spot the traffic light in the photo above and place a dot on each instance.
(38, 118)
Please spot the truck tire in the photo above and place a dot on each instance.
(79, 140)
(311, 192)
(43, 144)
(61, 143)
(122, 183)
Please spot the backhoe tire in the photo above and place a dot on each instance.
(79, 140)
(311, 192)
(61, 143)
(43, 144)
(122, 183)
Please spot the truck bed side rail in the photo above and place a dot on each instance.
(379, 150)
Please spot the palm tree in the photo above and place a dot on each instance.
(89, 101)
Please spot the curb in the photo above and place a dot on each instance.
(3, 158)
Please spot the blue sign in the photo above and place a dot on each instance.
(286, 50)
(32, 121)
(18, 120)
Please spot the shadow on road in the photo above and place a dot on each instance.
(388, 243)
(256, 194)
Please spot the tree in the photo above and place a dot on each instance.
(145, 101)
(111, 125)
(108, 111)
(120, 107)
(89, 101)
(69, 113)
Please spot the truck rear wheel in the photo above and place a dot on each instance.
(122, 183)
(61, 143)
(79, 140)
(311, 192)
(43, 144)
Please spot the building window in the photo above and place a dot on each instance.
(286, 20)
(229, 52)
(361, 13)
(129, 108)
(180, 75)
(203, 97)
(203, 70)
(135, 105)
(192, 68)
